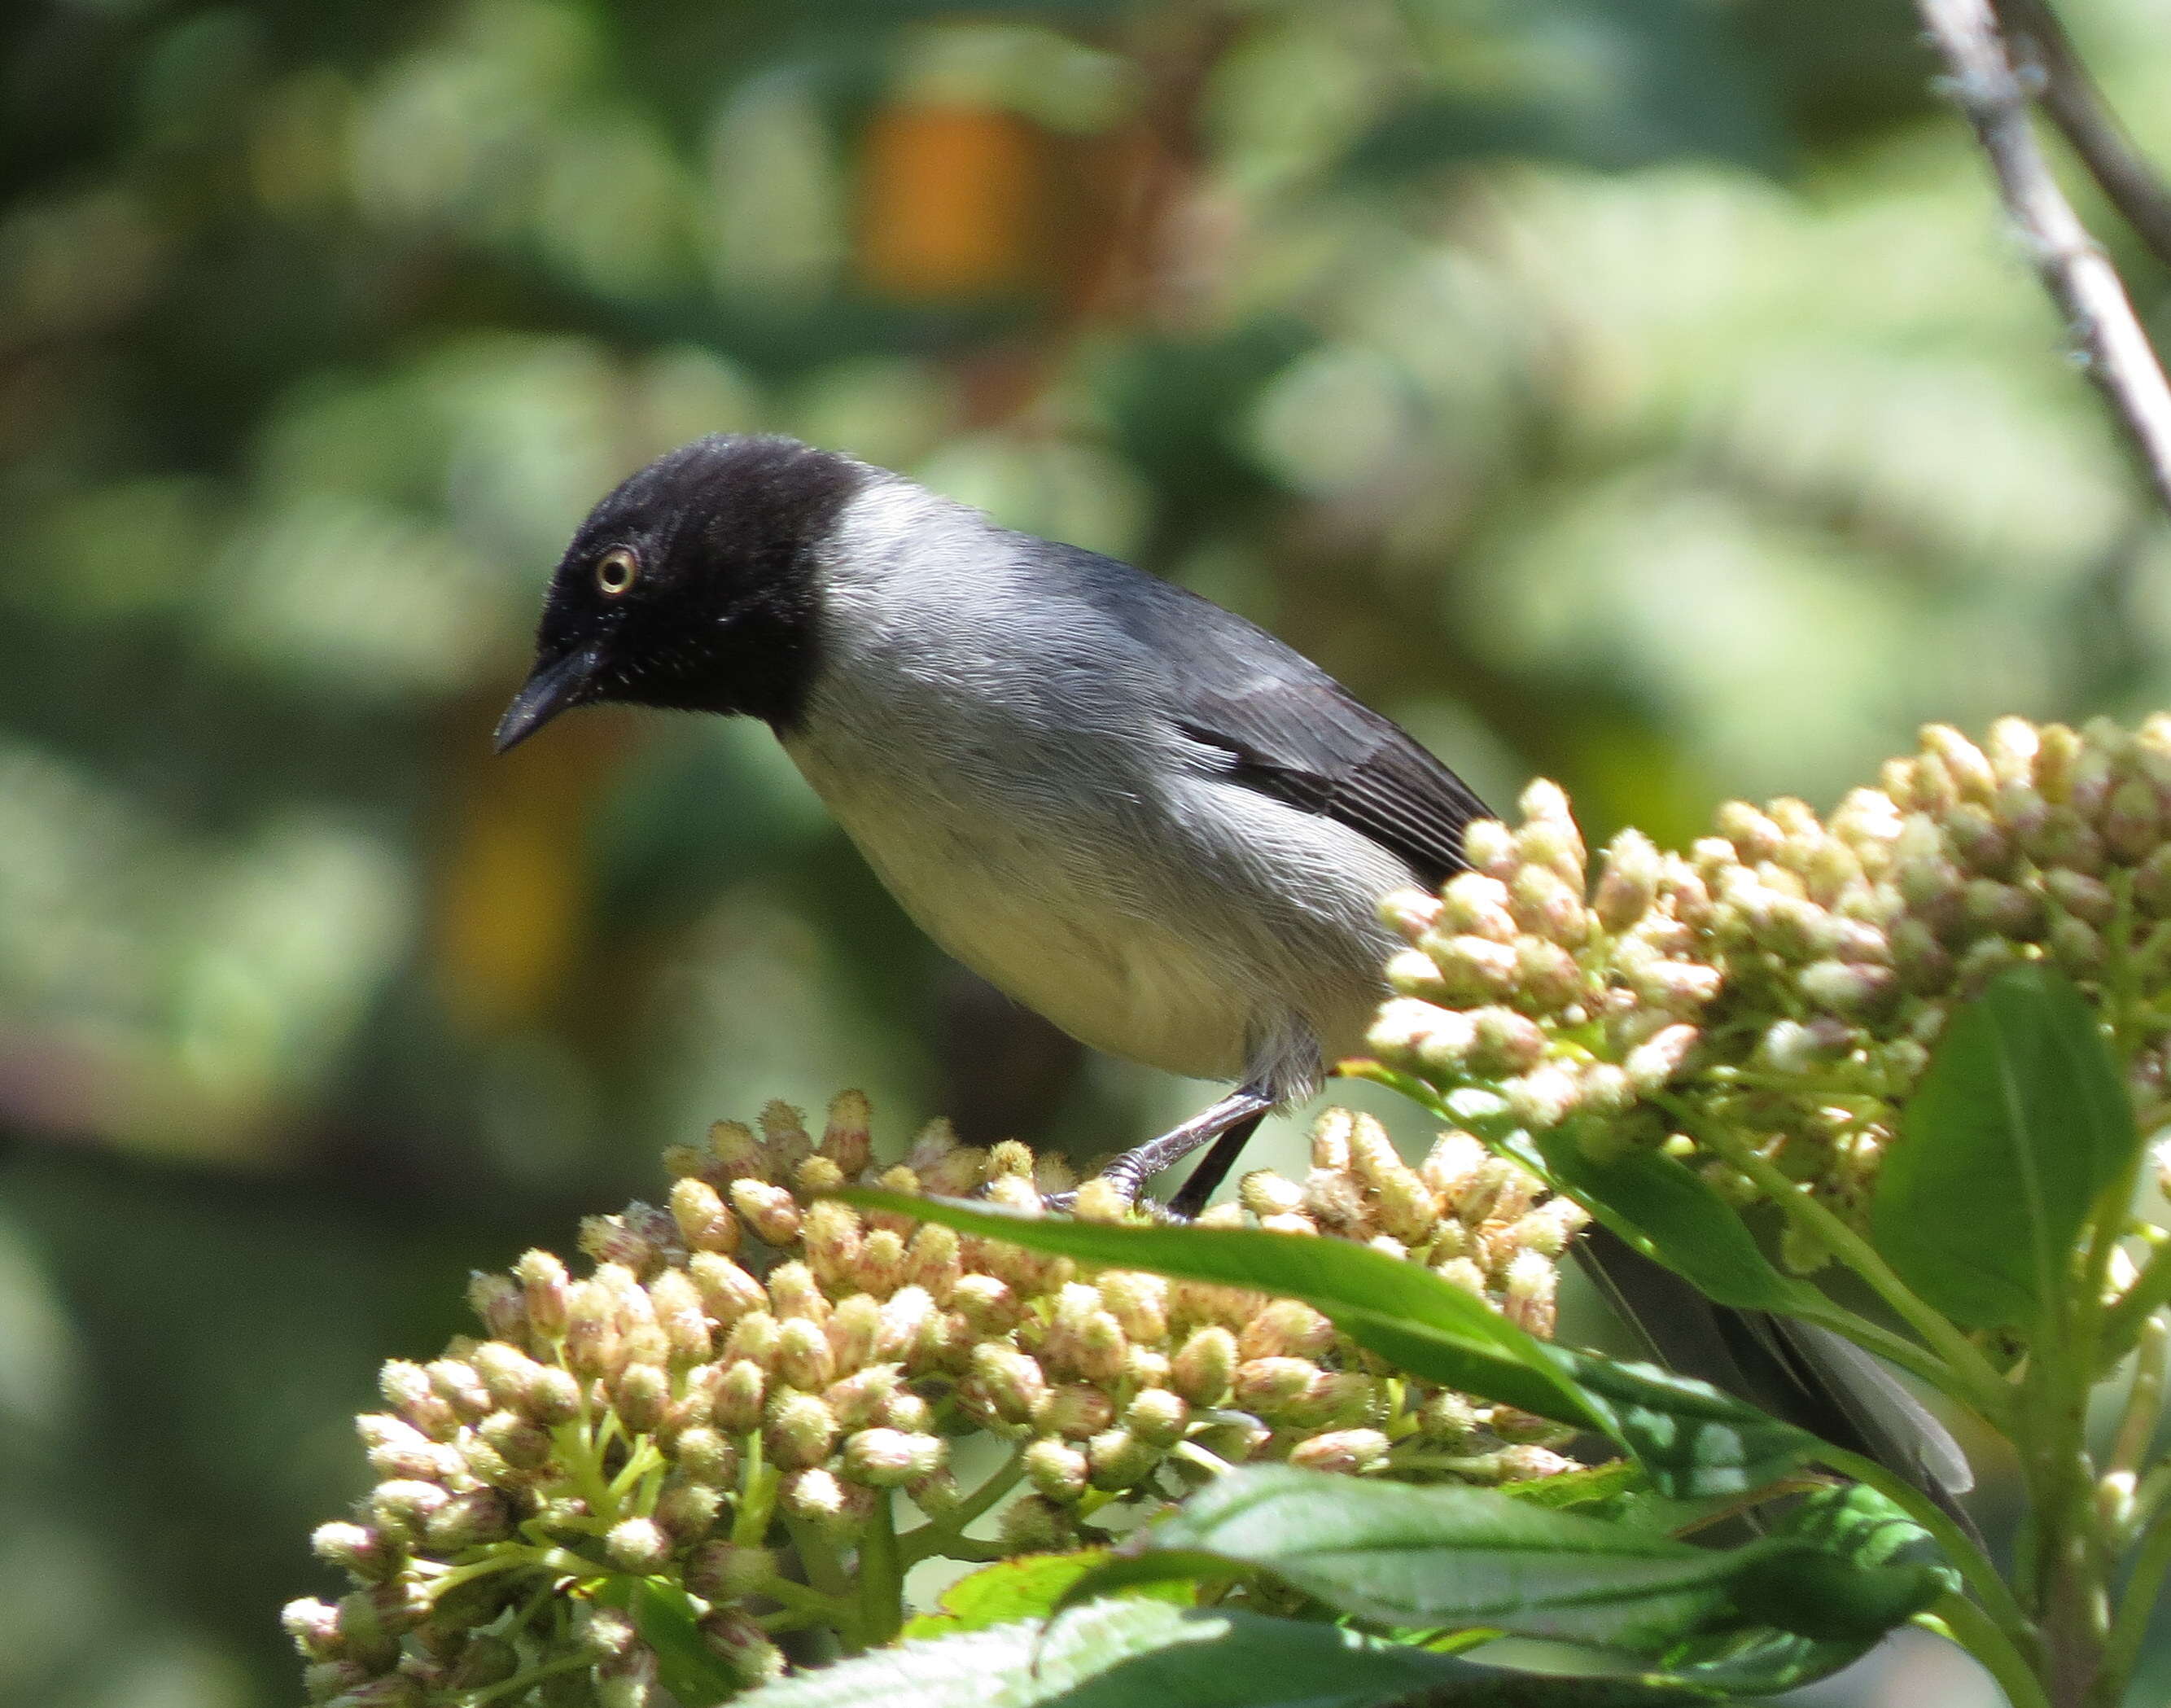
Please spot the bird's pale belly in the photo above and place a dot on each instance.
(1057, 935)
(1131, 944)
(1110, 978)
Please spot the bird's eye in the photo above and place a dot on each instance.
(615, 571)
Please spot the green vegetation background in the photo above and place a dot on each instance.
(1641, 392)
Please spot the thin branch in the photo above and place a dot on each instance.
(2127, 178)
(2076, 273)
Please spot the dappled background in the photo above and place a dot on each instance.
(1640, 392)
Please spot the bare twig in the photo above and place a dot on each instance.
(2069, 94)
(2076, 273)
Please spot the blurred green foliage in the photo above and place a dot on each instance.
(1639, 391)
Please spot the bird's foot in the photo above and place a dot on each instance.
(1108, 1197)
(1121, 1186)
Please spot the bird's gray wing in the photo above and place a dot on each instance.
(1289, 729)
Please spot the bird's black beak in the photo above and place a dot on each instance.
(564, 682)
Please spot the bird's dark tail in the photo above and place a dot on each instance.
(1804, 1375)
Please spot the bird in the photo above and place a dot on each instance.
(1128, 807)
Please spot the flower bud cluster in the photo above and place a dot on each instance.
(1785, 978)
(756, 1367)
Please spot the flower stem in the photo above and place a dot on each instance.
(1192, 1453)
(2122, 1647)
(940, 1535)
(881, 1576)
(579, 1456)
(1978, 1384)
(758, 1485)
(2138, 1419)
(806, 1603)
(2148, 1294)
(1974, 1630)
(825, 1571)
(520, 1682)
(644, 1459)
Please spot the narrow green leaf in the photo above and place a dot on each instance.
(1691, 1439)
(1029, 1586)
(1461, 1341)
(1452, 1362)
(1670, 1214)
(2018, 1125)
(1126, 1653)
(685, 1665)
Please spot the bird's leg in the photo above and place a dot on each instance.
(1231, 1121)
(1213, 1169)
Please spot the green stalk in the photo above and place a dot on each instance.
(2151, 1497)
(2148, 1295)
(2142, 1412)
(1967, 1625)
(520, 1682)
(1969, 1376)
(578, 1453)
(805, 1604)
(942, 1535)
(2122, 1647)
(2059, 1562)
(825, 1571)
(758, 1485)
(644, 1457)
(881, 1576)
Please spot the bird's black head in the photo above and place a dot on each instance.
(692, 586)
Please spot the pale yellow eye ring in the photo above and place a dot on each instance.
(615, 571)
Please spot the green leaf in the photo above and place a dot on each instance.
(1688, 1437)
(1866, 1567)
(1601, 1487)
(1026, 1587)
(2019, 1126)
(685, 1665)
(1670, 1214)
(1126, 1653)
(1437, 1330)
(1844, 1567)
(1691, 1440)
(1397, 1556)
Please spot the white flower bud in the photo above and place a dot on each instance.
(1544, 1098)
(727, 1292)
(799, 1430)
(888, 1458)
(1489, 846)
(1056, 1470)
(1345, 1451)
(1659, 1057)
(1409, 913)
(704, 1223)
(848, 1133)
